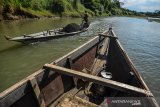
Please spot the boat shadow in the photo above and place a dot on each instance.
(13, 48)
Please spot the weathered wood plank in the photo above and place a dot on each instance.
(19, 84)
(13, 88)
(78, 51)
(100, 61)
(15, 94)
(37, 92)
(99, 80)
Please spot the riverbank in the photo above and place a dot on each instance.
(10, 10)
(18, 10)
(10, 13)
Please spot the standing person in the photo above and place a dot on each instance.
(85, 17)
(85, 20)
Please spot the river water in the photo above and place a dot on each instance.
(139, 38)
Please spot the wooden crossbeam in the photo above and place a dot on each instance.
(111, 37)
(102, 81)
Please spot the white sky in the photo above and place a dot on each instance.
(142, 5)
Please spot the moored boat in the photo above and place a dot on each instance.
(150, 19)
(95, 74)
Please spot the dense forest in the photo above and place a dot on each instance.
(20, 9)
(151, 14)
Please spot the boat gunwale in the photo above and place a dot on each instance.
(19, 84)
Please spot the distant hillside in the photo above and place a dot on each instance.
(20, 9)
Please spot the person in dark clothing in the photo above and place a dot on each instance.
(85, 17)
(85, 23)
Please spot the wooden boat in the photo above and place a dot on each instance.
(96, 74)
(150, 19)
(44, 36)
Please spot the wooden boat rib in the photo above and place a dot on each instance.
(78, 74)
(44, 36)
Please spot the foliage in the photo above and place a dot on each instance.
(58, 6)
(152, 14)
(75, 4)
(157, 11)
(73, 8)
(90, 4)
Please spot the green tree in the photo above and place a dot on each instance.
(105, 3)
(25, 3)
(75, 4)
(58, 6)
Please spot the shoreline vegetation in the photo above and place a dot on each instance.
(26, 9)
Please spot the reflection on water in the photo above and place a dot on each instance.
(139, 38)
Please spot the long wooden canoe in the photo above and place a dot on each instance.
(44, 36)
(98, 73)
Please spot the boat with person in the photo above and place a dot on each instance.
(47, 35)
(98, 73)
